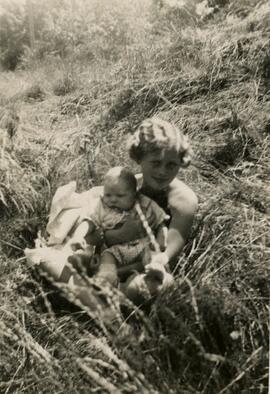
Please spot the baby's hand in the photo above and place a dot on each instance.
(95, 237)
(77, 244)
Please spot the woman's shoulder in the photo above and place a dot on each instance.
(181, 197)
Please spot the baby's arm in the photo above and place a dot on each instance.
(131, 230)
(85, 228)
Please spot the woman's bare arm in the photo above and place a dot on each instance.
(162, 237)
(183, 204)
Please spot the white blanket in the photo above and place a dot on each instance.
(67, 209)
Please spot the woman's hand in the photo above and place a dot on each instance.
(158, 259)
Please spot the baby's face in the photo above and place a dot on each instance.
(118, 194)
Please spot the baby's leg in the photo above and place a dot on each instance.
(108, 269)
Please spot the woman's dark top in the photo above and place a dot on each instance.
(160, 197)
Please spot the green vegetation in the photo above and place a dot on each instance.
(94, 70)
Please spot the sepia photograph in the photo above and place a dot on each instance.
(134, 196)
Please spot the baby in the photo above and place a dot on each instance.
(118, 203)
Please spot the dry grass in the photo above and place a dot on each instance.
(209, 332)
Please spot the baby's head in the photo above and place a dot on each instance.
(120, 189)
(155, 134)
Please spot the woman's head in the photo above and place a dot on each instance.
(160, 149)
(119, 189)
(157, 135)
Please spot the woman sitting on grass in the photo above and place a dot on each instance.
(160, 149)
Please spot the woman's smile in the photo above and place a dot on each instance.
(160, 168)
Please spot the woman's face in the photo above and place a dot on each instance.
(159, 168)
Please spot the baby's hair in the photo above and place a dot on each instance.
(124, 174)
(155, 134)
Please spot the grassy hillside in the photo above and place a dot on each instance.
(95, 72)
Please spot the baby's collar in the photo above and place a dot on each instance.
(112, 209)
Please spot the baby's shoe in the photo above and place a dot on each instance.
(155, 271)
(137, 290)
(156, 277)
